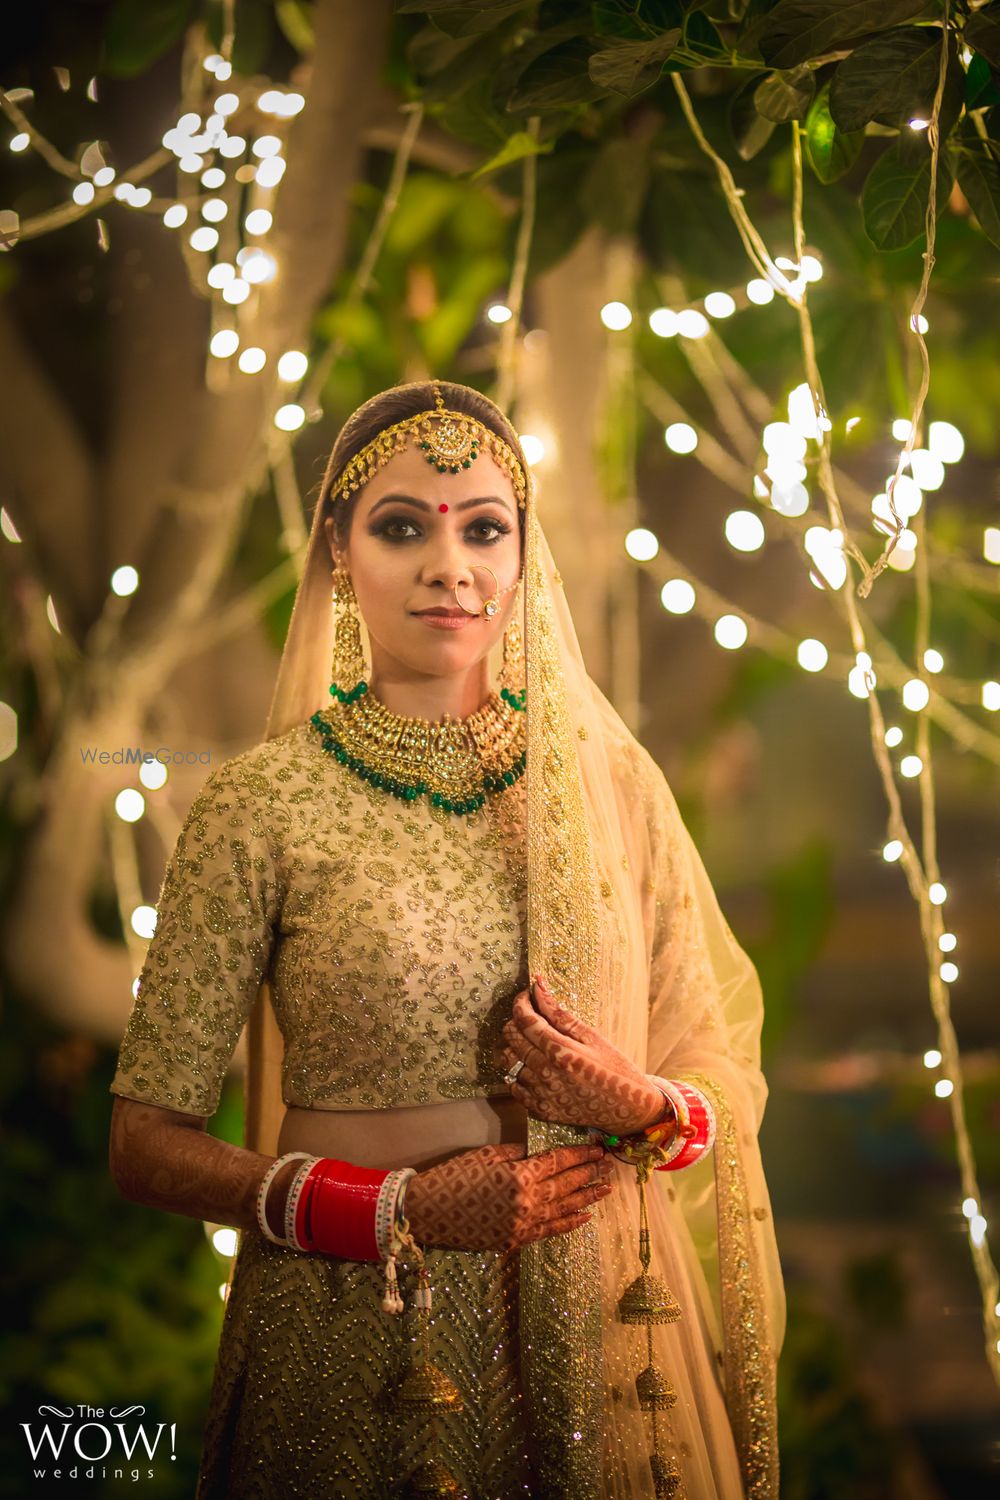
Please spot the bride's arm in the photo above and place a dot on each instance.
(163, 1158)
(489, 1198)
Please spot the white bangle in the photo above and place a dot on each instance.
(667, 1087)
(388, 1208)
(263, 1190)
(292, 1202)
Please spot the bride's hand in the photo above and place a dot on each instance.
(571, 1074)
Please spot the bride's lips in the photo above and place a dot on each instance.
(452, 620)
(446, 622)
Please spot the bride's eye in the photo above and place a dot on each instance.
(497, 526)
(384, 528)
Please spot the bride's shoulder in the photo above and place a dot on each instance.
(267, 764)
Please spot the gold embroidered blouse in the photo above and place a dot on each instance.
(393, 935)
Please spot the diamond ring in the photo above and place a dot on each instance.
(512, 1075)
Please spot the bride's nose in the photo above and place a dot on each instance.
(448, 565)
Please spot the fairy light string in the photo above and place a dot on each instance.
(921, 870)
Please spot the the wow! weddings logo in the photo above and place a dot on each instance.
(81, 1442)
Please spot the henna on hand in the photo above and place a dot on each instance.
(572, 1074)
(496, 1198)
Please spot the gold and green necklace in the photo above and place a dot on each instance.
(457, 763)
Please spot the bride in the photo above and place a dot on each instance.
(503, 1224)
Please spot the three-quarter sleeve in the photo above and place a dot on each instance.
(216, 919)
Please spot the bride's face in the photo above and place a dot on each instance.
(414, 535)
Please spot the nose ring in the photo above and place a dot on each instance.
(492, 605)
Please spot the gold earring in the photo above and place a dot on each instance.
(348, 666)
(513, 683)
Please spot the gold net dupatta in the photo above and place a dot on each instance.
(624, 924)
(748, 1338)
(561, 1322)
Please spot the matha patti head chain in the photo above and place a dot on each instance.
(457, 763)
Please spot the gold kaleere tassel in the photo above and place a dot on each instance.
(432, 1479)
(428, 1391)
(649, 1300)
(667, 1482)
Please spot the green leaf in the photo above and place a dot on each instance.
(981, 87)
(296, 22)
(429, 51)
(982, 33)
(627, 68)
(472, 116)
(462, 17)
(508, 69)
(889, 79)
(979, 179)
(450, 69)
(749, 129)
(785, 96)
(797, 30)
(895, 194)
(635, 21)
(558, 78)
(702, 41)
(140, 31)
(519, 145)
(829, 151)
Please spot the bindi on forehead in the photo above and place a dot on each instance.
(442, 509)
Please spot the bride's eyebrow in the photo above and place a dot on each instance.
(401, 499)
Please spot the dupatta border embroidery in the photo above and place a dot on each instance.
(561, 1308)
(750, 1367)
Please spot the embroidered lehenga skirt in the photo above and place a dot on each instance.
(303, 1399)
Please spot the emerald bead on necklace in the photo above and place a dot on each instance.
(456, 763)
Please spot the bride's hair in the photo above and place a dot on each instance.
(394, 405)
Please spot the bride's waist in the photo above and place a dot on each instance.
(409, 1136)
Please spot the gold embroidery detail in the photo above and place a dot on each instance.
(393, 933)
(582, 731)
(749, 1361)
(561, 1300)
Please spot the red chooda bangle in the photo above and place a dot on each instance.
(336, 1210)
(700, 1131)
